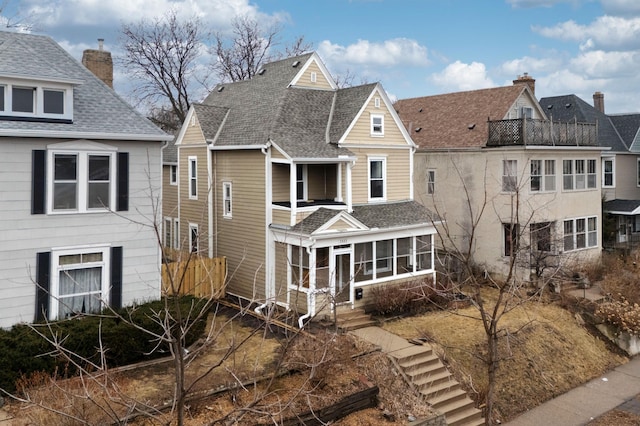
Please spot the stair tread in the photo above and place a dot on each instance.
(426, 368)
(414, 361)
(446, 396)
(438, 388)
(455, 405)
(470, 413)
(433, 377)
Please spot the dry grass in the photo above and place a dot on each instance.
(546, 352)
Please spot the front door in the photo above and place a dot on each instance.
(341, 288)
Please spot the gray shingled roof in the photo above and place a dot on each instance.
(628, 126)
(570, 107)
(98, 111)
(298, 120)
(380, 216)
(627, 206)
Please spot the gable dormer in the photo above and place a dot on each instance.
(33, 99)
(313, 75)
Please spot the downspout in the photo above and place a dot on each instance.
(258, 309)
(311, 307)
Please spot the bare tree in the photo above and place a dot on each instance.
(511, 288)
(163, 55)
(240, 56)
(15, 21)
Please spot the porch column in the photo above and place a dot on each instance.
(312, 268)
(339, 183)
(348, 187)
(293, 194)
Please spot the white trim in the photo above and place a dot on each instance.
(56, 268)
(372, 125)
(192, 166)
(56, 134)
(227, 213)
(371, 159)
(613, 171)
(314, 58)
(173, 180)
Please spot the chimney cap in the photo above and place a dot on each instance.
(100, 44)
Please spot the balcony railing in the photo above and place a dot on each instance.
(529, 131)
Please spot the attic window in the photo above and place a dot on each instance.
(314, 77)
(376, 102)
(27, 100)
(295, 64)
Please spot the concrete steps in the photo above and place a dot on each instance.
(354, 319)
(432, 379)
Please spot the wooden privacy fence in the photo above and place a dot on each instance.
(199, 276)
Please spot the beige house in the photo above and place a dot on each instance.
(620, 133)
(305, 188)
(492, 158)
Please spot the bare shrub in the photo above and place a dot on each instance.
(621, 277)
(622, 314)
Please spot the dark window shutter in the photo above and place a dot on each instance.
(116, 277)
(38, 181)
(122, 186)
(43, 280)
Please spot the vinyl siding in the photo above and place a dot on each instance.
(361, 131)
(169, 194)
(281, 263)
(321, 80)
(24, 235)
(193, 211)
(193, 134)
(242, 238)
(398, 174)
(280, 182)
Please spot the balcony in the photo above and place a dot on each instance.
(528, 131)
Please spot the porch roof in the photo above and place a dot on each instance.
(373, 216)
(622, 207)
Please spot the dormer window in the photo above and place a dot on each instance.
(35, 100)
(377, 125)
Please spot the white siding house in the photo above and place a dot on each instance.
(81, 173)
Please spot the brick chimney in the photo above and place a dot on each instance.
(99, 62)
(598, 101)
(528, 80)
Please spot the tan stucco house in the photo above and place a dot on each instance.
(505, 179)
(305, 188)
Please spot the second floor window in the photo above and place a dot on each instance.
(301, 186)
(543, 175)
(82, 181)
(511, 233)
(173, 174)
(578, 174)
(431, 182)
(607, 173)
(509, 175)
(377, 176)
(193, 178)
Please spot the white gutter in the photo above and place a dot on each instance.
(83, 135)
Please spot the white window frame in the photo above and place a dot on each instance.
(39, 88)
(168, 232)
(376, 102)
(194, 246)
(377, 130)
(193, 177)
(227, 200)
(638, 173)
(56, 269)
(583, 179)
(589, 232)
(304, 181)
(509, 175)
(431, 181)
(612, 161)
(313, 77)
(82, 179)
(547, 177)
(370, 179)
(173, 174)
(176, 233)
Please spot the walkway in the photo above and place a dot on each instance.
(588, 401)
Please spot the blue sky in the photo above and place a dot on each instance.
(414, 47)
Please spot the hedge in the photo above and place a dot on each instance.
(23, 351)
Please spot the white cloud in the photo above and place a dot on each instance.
(606, 32)
(601, 64)
(390, 53)
(552, 61)
(460, 76)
